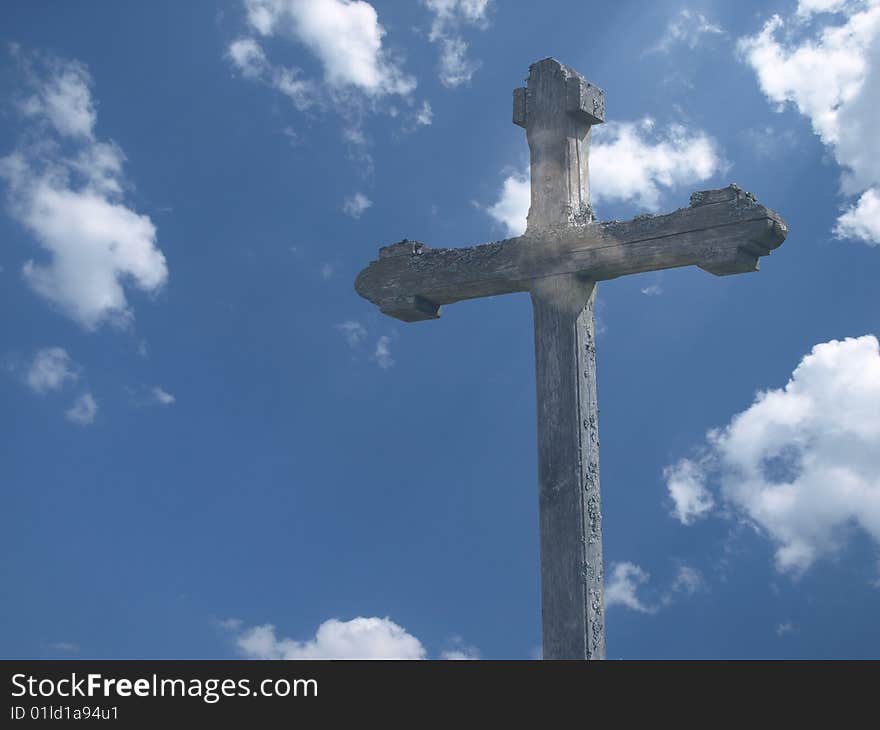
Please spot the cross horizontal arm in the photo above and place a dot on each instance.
(723, 232)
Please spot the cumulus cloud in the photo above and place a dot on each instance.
(66, 188)
(346, 38)
(630, 162)
(512, 206)
(862, 220)
(801, 464)
(449, 19)
(50, 369)
(359, 638)
(826, 62)
(356, 205)
(685, 482)
(83, 410)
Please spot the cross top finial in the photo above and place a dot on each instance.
(550, 77)
(557, 108)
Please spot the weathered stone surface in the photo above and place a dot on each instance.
(558, 261)
(570, 506)
(725, 233)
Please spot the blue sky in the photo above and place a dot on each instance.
(212, 447)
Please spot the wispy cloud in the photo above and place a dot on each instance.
(353, 332)
(622, 587)
(627, 580)
(83, 411)
(50, 369)
(347, 40)
(382, 353)
(689, 29)
(450, 17)
(356, 205)
(162, 396)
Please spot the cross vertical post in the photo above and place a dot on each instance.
(558, 109)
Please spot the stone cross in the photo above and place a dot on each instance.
(558, 260)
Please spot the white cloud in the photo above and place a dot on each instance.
(160, 395)
(632, 162)
(654, 290)
(64, 98)
(455, 66)
(425, 114)
(83, 410)
(450, 16)
(360, 638)
(685, 482)
(344, 35)
(862, 220)
(355, 205)
(512, 206)
(73, 205)
(801, 464)
(687, 580)
(689, 29)
(354, 332)
(248, 57)
(829, 69)
(785, 627)
(621, 588)
(382, 354)
(626, 579)
(629, 162)
(50, 370)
